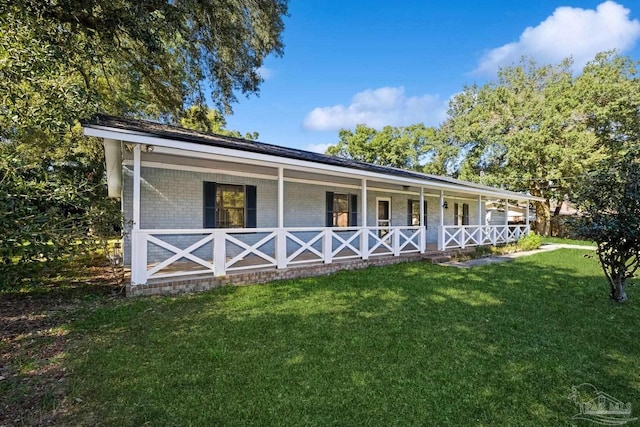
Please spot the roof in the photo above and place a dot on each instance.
(214, 140)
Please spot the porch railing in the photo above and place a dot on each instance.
(454, 236)
(164, 253)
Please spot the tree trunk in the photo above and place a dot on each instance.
(618, 293)
(543, 218)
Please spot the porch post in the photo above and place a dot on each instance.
(441, 227)
(480, 232)
(281, 234)
(280, 197)
(506, 220)
(506, 212)
(364, 237)
(136, 187)
(527, 218)
(138, 240)
(423, 230)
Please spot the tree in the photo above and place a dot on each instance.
(610, 204)
(205, 119)
(609, 196)
(64, 61)
(401, 147)
(521, 132)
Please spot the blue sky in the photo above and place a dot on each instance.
(349, 62)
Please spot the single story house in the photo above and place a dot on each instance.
(201, 207)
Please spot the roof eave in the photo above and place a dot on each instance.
(136, 137)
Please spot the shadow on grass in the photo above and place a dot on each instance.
(401, 345)
(36, 305)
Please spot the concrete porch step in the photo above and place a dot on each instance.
(438, 259)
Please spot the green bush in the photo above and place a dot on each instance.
(529, 242)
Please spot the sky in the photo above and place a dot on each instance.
(347, 62)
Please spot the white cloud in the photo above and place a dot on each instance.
(318, 148)
(265, 73)
(377, 108)
(570, 31)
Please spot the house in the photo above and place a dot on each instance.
(202, 209)
(517, 213)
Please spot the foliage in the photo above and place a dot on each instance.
(610, 202)
(609, 197)
(529, 242)
(204, 119)
(159, 53)
(522, 132)
(64, 61)
(400, 147)
(383, 346)
(51, 208)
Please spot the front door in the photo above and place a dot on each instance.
(384, 215)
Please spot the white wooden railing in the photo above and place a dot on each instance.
(164, 253)
(454, 236)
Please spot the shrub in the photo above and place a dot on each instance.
(529, 242)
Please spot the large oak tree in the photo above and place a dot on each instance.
(66, 60)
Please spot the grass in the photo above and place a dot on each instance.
(36, 307)
(547, 239)
(410, 344)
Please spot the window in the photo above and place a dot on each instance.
(342, 210)
(461, 217)
(229, 206)
(414, 213)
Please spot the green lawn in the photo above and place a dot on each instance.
(410, 344)
(547, 239)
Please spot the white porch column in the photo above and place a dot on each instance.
(527, 217)
(281, 235)
(136, 187)
(423, 230)
(506, 211)
(480, 233)
(506, 220)
(138, 239)
(441, 227)
(364, 237)
(280, 197)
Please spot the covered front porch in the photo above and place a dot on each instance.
(442, 219)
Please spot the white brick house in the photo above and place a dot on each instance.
(201, 204)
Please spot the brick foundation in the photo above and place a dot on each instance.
(178, 285)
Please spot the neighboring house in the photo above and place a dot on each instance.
(517, 213)
(201, 207)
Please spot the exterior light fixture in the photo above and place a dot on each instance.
(445, 205)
